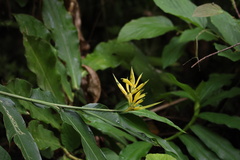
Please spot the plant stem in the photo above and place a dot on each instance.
(69, 155)
(55, 105)
(191, 122)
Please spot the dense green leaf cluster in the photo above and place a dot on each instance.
(53, 119)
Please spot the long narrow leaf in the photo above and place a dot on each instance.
(59, 21)
(196, 148)
(4, 154)
(153, 115)
(221, 146)
(90, 147)
(16, 129)
(135, 151)
(132, 124)
(219, 118)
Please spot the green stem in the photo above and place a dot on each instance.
(69, 155)
(191, 122)
(55, 105)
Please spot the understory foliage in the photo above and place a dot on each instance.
(62, 96)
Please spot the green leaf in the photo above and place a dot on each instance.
(16, 129)
(154, 116)
(39, 112)
(43, 137)
(220, 118)
(19, 87)
(196, 149)
(31, 26)
(133, 125)
(110, 155)
(64, 81)
(159, 157)
(217, 98)
(108, 129)
(4, 154)
(207, 10)
(181, 155)
(173, 51)
(145, 27)
(90, 147)
(221, 146)
(176, 47)
(70, 137)
(22, 3)
(191, 93)
(109, 54)
(214, 83)
(182, 9)
(42, 61)
(59, 21)
(229, 30)
(135, 151)
(233, 56)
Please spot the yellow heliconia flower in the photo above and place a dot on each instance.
(133, 92)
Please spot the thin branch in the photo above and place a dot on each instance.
(161, 107)
(212, 54)
(235, 7)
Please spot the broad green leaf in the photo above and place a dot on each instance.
(222, 94)
(220, 118)
(145, 27)
(182, 9)
(173, 51)
(31, 26)
(42, 61)
(154, 116)
(196, 148)
(159, 157)
(16, 129)
(133, 125)
(207, 10)
(135, 151)
(221, 146)
(172, 79)
(214, 83)
(43, 137)
(90, 147)
(70, 137)
(110, 155)
(233, 56)
(4, 154)
(176, 47)
(59, 21)
(110, 54)
(229, 30)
